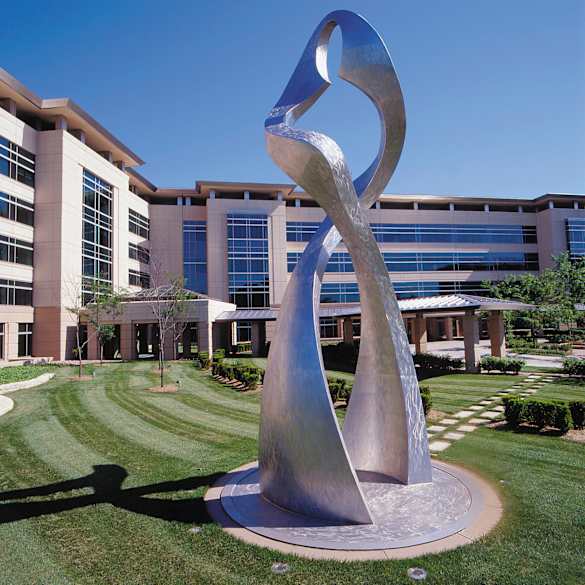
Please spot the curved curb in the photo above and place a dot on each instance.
(484, 523)
(6, 405)
(14, 386)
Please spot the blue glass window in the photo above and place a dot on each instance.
(195, 255)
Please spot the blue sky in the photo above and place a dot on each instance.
(495, 90)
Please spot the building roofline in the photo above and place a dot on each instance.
(64, 106)
(204, 186)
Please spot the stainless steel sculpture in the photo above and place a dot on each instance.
(306, 464)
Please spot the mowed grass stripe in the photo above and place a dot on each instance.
(193, 430)
(179, 409)
(136, 429)
(91, 432)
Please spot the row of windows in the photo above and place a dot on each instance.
(16, 162)
(15, 292)
(297, 231)
(195, 255)
(576, 237)
(248, 280)
(138, 224)
(348, 292)
(136, 252)
(16, 251)
(96, 233)
(433, 261)
(137, 278)
(16, 209)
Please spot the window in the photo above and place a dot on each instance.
(138, 224)
(15, 292)
(575, 228)
(297, 231)
(328, 328)
(17, 163)
(136, 252)
(347, 292)
(434, 261)
(25, 332)
(244, 331)
(137, 278)
(16, 251)
(16, 209)
(96, 234)
(248, 277)
(195, 255)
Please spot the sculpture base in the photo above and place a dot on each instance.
(456, 508)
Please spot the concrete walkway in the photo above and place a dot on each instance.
(455, 349)
(445, 432)
(7, 404)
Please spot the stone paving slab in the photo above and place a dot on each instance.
(491, 414)
(499, 409)
(436, 446)
(453, 436)
(485, 402)
(449, 421)
(477, 421)
(436, 428)
(466, 428)
(463, 413)
(476, 407)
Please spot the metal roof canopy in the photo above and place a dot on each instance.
(441, 303)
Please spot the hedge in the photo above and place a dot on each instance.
(249, 376)
(543, 413)
(430, 361)
(574, 366)
(577, 408)
(501, 364)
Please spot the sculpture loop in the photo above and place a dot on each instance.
(306, 464)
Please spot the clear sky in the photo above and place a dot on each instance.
(494, 89)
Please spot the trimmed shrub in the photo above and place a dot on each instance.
(337, 389)
(513, 410)
(501, 364)
(427, 401)
(430, 361)
(577, 408)
(219, 354)
(541, 413)
(204, 361)
(574, 366)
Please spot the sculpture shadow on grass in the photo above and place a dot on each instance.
(106, 482)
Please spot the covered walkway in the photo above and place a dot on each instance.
(440, 317)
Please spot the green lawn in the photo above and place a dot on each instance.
(167, 448)
(9, 374)
(563, 389)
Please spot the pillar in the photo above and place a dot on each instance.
(205, 337)
(258, 337)
(449, 328)
(419, 333)
(347, 331)
(471, 341)
(127, 341)
(169, 346)
(93, 347)
(497, 333)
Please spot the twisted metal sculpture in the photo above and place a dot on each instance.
(306, 464)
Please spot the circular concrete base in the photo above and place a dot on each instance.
(455, 509)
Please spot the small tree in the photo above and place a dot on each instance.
(167, 301)
(106, 304)
(77, 309)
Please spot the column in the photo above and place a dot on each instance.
(471, 341)
(93, 347)
(497, 333)
(169, 346)
(347, 331)
(449, 328)
(258, 337)
(204, 337)
(419, 333)
(127, 341)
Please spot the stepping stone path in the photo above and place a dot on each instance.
(444, 432)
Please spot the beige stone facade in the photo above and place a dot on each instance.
(67, 143)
